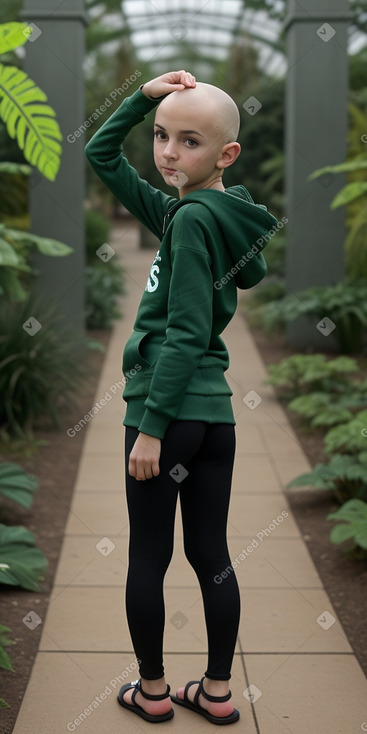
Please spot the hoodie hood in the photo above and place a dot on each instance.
(245, 227)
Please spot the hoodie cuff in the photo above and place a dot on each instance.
(142, 104)
(154, 424)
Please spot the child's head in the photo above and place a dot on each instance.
(195, 133)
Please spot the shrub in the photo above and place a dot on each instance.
(40, 375)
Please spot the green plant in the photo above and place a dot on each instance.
(25, 446)
(306, 373)
(97, 231)
(17, 485)
(102, 286)
(23, 110)
(15, 250)
(345, 304)
(330, 408)
(345, 476)
(354, 513)
(348, 438)
(353, 194)
(40, 375)
(21, 562)
(5, 661)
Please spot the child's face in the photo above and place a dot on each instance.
(188, 145)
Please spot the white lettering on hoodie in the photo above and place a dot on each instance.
(154, 269)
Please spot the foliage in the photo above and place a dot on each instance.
(344, 475)
(345, 304)
(40, 374)
(354, 193)
(104, 281)
(307, 373)
(101, 289)
(21, 562)
(22, 108)
(348, 438)
(330, 408)
(97, 232)
(354, 512)
(15, 250)
(17, 485)
(5, 661)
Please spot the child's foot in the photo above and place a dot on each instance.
(150, 707)
(225, 708)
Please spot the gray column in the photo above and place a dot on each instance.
(316, 118)
(54, 60)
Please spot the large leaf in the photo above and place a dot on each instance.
(8, 256)
(46, 245)
(12, 36)
(17, 485)
(354, 165)
(355, 513)
(350, 192)
(33, 125)
(11, 167)
(21, 562)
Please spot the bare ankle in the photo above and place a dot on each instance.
(154, 687)
(216, 687)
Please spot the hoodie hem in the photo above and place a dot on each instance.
(209, 408)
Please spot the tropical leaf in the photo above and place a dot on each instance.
(8, 256)
(10, 167)
(350, 192)
(12, 35)
(46, 245)
(17, 485)
(354, 165)
(21, 562)
(33, 125)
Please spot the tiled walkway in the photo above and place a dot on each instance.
(291, 648)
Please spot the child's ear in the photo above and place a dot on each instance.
(230, 153)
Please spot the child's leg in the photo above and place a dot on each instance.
(204, 498)
(152, 508)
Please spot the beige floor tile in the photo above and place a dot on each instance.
(92, 618)
(98, 513)
(102, 465)
(324, 694)
(80, 690)
(104, 440)
(279, 620)
(273, 563)
(285, 450)
(253, 473)
(251, 514)
(82, 563)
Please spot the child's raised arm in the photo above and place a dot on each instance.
(106, 157)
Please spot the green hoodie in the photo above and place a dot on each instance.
(174, 360)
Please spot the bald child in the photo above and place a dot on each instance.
(205, 113)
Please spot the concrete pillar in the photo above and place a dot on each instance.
(54, 60)
(316, 118)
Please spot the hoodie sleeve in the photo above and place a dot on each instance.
(106, 157)
(189, 325)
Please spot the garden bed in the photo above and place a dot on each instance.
(344, 579)
(55, 467)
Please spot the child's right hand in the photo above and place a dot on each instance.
(173, 81)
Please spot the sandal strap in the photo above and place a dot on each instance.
(214, 699)
(150, 696)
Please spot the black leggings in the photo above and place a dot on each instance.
(206, 451)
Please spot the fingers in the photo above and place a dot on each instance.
(141, 471)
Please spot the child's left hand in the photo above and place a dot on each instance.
(144, 457)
